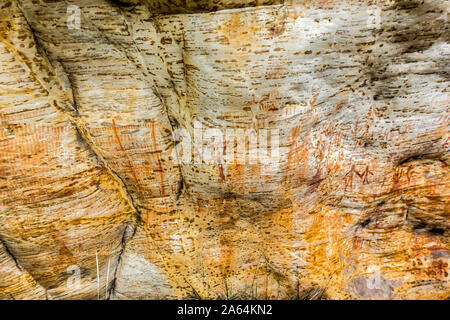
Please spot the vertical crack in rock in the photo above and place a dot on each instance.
(128, 233)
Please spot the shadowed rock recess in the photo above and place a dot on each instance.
(107, 109)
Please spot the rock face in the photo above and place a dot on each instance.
(220, 149)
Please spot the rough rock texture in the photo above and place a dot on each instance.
(99, 200)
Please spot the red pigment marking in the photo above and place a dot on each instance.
(409, 172)
(396, 178)
(365, 175)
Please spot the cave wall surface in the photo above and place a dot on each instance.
(122, 169)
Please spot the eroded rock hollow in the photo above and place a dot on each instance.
(218, 149)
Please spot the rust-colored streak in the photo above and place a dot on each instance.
(349, 177)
